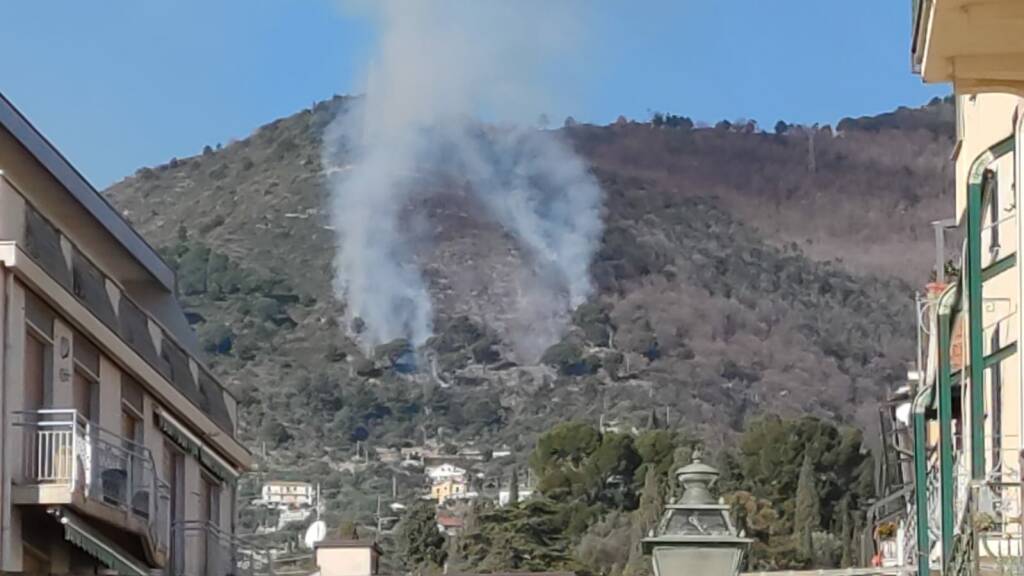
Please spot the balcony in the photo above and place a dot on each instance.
(71, 461)
(213, 552)
(974, 43)
(119, 320)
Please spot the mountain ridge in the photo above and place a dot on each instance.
(726, 284)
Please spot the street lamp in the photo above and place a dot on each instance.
(696, 536)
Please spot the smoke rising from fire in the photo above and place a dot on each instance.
(438, 67)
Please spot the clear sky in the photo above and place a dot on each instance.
(120, 84)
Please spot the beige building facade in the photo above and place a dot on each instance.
(119, 448)
(968, 429)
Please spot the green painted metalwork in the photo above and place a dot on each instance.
(978, 177)
(945, 317)
(990, 360)
(921, 403)
(975, 330)
(998, 267)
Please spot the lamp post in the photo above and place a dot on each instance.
(696, 536)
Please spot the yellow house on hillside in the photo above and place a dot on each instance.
(449, 490)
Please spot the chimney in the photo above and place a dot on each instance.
(347, 557)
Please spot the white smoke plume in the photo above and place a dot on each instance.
(440, 67)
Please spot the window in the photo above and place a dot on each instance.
(132, 416)
(173, 471)
(38, 358)
(86, 377)
(83, 389)
(35, 370)
(36, 389)
(87, 356)
(209, 517)
(39, 316)
(133, 432)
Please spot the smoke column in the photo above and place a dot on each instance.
(438, 67)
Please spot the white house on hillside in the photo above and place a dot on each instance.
(282, 493)
(445, 472)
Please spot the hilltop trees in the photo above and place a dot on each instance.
(725, 289)
(660, 119)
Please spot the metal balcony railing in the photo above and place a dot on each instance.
(214, 552)
(63, 449)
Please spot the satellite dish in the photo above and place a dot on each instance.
(315, 533)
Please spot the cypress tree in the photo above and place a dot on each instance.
(807, 516)
(513, 487)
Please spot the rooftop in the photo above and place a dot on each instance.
(84, 193)
(340, 543)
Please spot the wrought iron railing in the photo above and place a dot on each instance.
(62, 448)
(986, 542)
(200, 547)
(964, 555)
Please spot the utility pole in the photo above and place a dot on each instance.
(380, 523)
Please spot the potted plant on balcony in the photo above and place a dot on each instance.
(886, 535)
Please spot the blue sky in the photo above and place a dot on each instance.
(120, 84)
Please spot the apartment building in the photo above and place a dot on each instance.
(119, 450)
(963, 410)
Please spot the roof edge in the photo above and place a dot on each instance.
(84, 193)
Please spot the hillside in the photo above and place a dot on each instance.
(740, 273)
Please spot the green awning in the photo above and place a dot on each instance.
(99, 547)
(187, 443)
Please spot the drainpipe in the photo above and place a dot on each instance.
(1018, 134)
(924, 398)
(979, 178)
(945, 313)
(972, 278)
(5, 529)
(921, 402)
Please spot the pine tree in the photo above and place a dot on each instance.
(807, 516)
(421, 542)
